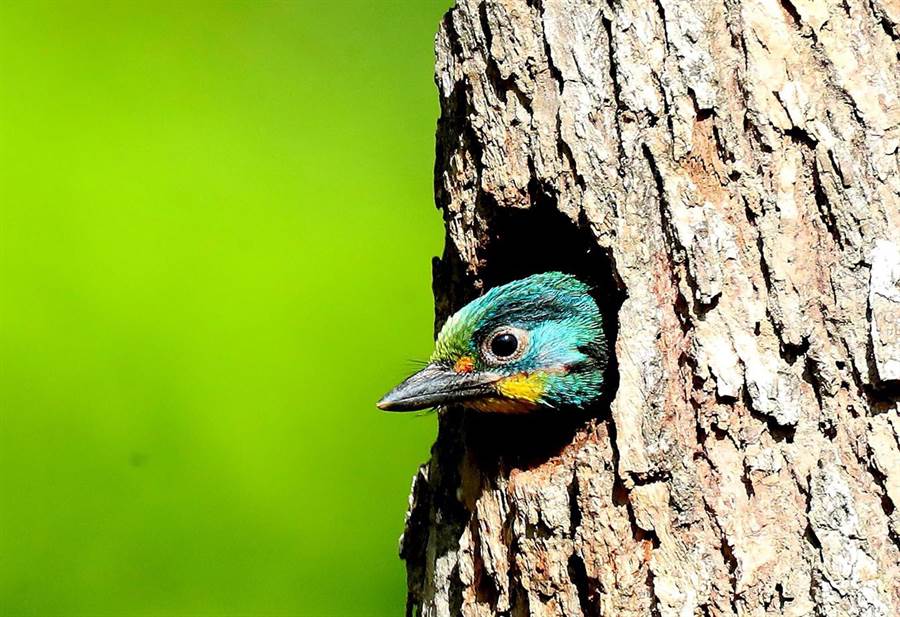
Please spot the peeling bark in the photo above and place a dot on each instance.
(728, 174)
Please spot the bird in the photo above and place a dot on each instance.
(533, 343)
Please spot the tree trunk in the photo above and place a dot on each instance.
(726, 175)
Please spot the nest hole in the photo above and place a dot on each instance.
(522, 243)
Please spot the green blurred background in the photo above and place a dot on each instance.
(216, 224)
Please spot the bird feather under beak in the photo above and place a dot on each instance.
(435, 386)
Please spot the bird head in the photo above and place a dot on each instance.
(533, 343)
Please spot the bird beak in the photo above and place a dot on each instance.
(434, 386)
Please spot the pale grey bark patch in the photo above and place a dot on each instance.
(884, 306)
(728, 173)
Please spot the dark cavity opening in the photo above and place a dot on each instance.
(521, 243)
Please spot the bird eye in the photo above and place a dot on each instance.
(505, 344)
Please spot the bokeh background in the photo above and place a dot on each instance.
(216, 225)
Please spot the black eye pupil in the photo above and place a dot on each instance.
(504, 345)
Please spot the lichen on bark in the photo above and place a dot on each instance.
(730, 172)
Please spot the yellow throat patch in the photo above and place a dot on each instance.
(518, 394)
(524, 386)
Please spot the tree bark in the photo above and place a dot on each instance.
(728, 176)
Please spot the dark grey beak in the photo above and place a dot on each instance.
(434, 386)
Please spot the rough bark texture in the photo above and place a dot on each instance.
(727, 175)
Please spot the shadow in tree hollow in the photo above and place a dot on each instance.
(524, 242)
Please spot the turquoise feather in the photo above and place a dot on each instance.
(560, 351)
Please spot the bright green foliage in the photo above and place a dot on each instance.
(216, 223)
